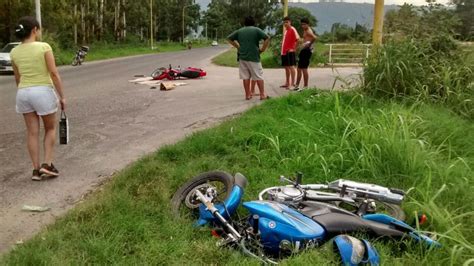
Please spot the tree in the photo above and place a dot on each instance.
(225, 16)
(295, 14)
(361, 33)
(465, 11)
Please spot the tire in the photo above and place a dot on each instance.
(181, 202)
(74, 62)
(393, 210)
(382, 207)
(157, 74)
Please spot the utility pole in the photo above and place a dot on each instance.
(285, 11)
(184, 7)
(38, 11)
(378, 23)
(151, 24)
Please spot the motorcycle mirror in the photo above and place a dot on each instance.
(299, 178)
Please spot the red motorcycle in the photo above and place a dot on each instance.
(176, 73)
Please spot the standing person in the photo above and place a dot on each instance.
(304, 58)
(36, 75)
(288, 50)
(246, 40)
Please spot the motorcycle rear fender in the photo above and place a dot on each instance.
(412, 232)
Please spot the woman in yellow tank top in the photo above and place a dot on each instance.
(37, 78)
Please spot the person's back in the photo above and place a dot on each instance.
(38, 80)
(247, 42)
(29, 59)
(249, 38)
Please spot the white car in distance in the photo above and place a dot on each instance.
(5, 60)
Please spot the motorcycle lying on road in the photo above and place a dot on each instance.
(176, 73)
(80, 56)
(291, 218)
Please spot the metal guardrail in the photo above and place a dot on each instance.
(342, 53)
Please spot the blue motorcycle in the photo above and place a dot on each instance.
(291, 218)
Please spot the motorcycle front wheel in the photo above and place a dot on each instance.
(74, 61)
(184, 202)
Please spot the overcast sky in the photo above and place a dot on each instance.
(387, 2)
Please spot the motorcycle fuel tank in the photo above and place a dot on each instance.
(284, 228)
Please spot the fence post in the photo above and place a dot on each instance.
(330, 53)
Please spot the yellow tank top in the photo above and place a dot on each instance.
(29, 59)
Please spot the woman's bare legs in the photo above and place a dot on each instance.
(32, 128)
(49, 122)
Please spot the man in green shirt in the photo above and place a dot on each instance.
(247, 40)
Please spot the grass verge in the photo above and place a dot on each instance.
(425, 149)
(102, 51)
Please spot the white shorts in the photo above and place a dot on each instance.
(250, 70)
(39, 99)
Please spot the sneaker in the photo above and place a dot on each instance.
(297, 88)
(49, 170)
(36, 175)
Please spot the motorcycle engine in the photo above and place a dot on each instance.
(286, 195)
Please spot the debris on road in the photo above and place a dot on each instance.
(164, 86)
(32, 208)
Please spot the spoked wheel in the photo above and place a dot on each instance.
(185, 203)
(380, 207)
(157, 72)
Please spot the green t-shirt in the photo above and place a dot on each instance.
(31, 64)
(248, 39)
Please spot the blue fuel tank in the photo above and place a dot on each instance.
(284, 228)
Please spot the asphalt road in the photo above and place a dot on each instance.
(113, 123)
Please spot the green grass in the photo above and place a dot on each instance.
(229, 58)
(102, 51)
(424, 149)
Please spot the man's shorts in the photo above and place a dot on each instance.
(304, 58)
(250, 70)
(289, 59)
(39, 99)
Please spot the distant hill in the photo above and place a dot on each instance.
(330, 13)
(345, 13)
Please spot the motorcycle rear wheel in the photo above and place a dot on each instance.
(393, 210)
(183, 204)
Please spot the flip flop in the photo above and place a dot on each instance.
(284, 86)
(265, 98)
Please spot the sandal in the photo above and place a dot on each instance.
(265, 98)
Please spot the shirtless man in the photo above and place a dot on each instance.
(304, 57)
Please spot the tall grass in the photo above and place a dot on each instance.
(423, 149)
(422, 71)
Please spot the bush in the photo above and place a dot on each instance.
(431, 71)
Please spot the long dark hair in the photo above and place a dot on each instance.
(25, 26)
